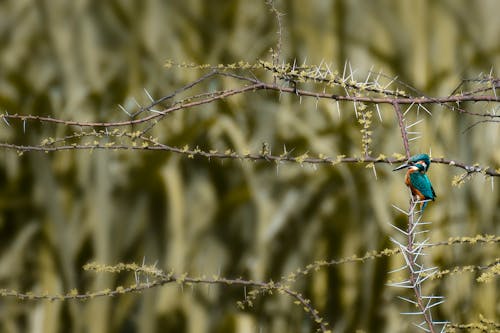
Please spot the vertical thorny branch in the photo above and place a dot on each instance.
(276, 54)
(402, 127)
(412, 250)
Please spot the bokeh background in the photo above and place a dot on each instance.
(77, 60)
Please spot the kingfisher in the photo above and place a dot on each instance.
(417, 180)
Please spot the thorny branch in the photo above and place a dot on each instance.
(156, 278)
(402, 127)
(396, 99)
(413, 266)
(160, 278)
(152, 145)
(255, 85)
(278, 15)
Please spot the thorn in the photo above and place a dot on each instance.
(387, 86)
(343, 73)
(423, 231)
(400, 230)
(5, 119)
(421, 280)
(415, 123)
(321, 63)
(418, 313)
(124, 110)
(425, 270)
(403, 284)
(347, 91)
(408, 109)
(328, 71)
(398, 269)
(369, 74)
(323, 74)
(407, 300)
(425, 109)
(317, 72)
(403, 247)
(338, 107)
(156, 111)
(405, 257)
(24, 126)
(433, 297)
(149, 96)
(378, 112)
(401, 210)
(429, 306)
(378, 77)
(351, 76)
(421, 326)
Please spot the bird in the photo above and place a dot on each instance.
(416, 178)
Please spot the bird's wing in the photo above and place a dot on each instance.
(422, 183)
(430, 184)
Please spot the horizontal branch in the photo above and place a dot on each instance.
(370, 255)
(256, 85)
(285, 157)
(146, 119)
(159, 278)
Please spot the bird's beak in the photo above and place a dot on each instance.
(402, 166)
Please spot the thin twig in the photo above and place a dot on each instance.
(402, 127)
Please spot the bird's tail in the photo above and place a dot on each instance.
(423, 205)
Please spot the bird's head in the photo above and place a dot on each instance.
(420, 162)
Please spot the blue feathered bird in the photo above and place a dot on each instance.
(417, 180)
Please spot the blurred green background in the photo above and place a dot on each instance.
(77, 60)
